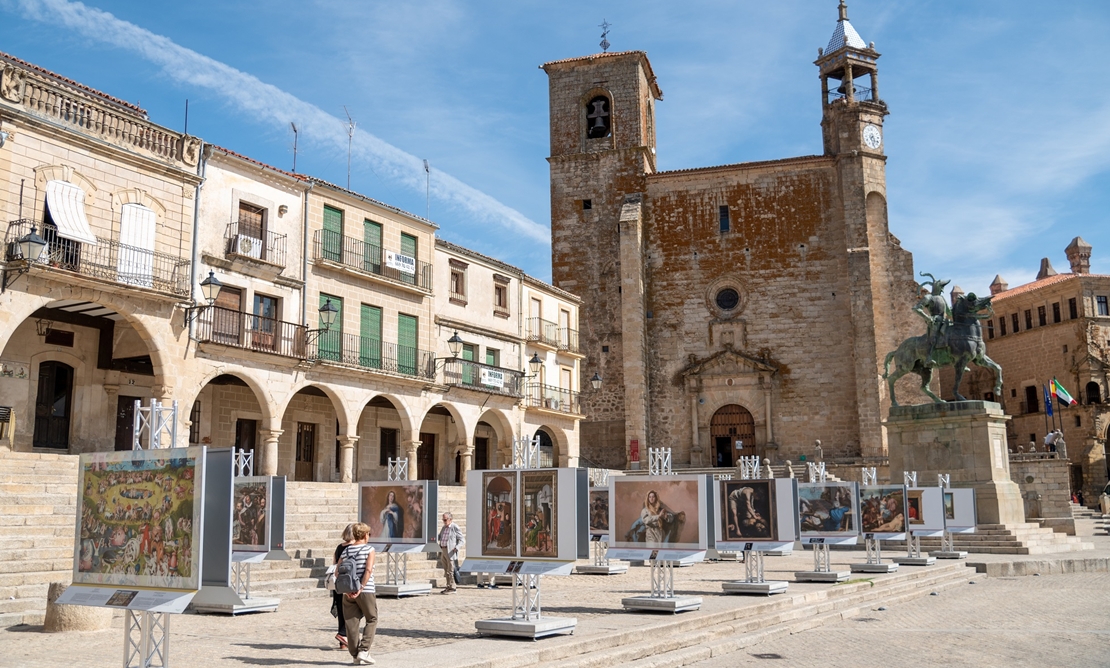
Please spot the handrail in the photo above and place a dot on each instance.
(216, 324)
(552, 398)
(483, 377)
(246, 240)
(372, 354)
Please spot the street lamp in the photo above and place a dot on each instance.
(30, 246)
(595, 382)
(535, 364)
(209, 289)
(328, 313)
(455, 343)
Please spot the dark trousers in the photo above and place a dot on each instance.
(337, 598)
(365, 606)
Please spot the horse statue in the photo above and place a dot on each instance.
(958, 344)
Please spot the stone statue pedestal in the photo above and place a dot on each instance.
(966, 439)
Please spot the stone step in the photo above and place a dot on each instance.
(21, 605)
(10, 581)
(51, 564)
(673, 640)
(16, 618)
(38, 539)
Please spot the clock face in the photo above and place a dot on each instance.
(872, 136)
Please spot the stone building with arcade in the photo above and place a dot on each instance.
(749, 302)
(343, 333)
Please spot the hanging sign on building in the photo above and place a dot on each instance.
(492, 378)
(402, 263)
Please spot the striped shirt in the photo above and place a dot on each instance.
(359, 554)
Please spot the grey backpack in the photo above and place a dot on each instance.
(346, 577)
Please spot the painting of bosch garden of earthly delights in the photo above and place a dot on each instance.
(139, 517)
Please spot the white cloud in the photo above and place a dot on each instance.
(265, 102)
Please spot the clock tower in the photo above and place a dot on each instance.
(852, 114)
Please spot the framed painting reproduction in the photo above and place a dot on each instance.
(828, 510)
(499, 514)
(250, 516)
(599, 511)
(139, 518)
(398, 511)
(658, 512)
(747, 510)
(539, 520)
(883, 510)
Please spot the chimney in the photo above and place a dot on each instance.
(999, 285)
(1079, 255)
(1046, 269)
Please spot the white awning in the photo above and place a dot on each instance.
(67, 209)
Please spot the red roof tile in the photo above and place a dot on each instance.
(613, 54)
(1036, 285)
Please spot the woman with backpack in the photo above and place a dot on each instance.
(354, 579)
(336, 597)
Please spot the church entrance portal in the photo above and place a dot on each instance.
(732, 423)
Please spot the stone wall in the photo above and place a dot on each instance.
(1046, 490)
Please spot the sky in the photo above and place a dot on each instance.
(998, 139)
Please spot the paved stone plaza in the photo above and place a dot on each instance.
(1033, 620)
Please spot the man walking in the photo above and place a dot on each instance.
(450, 536)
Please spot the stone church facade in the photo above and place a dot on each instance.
(749, 302)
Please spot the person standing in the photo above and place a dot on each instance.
(336, 597)
(361, 604)
(450, 536)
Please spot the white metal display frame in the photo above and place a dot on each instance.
(822, 556)
(397, 562)
(662, 596)
(947, 538)
(872, 545)
(527, 618)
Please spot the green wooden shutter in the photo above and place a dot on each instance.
(408, 247)
(470, 373)
(406, 343)
(331, 341)
(370, 338)
(491, 357)
(333, 234)
(372, 246)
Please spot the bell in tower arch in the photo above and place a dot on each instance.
(598, 117)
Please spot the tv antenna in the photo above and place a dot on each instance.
(294, 126)
(428, 189)
(605, 25)
(350, 138)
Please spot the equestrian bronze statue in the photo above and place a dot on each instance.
(953, 337)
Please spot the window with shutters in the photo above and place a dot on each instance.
(493, 357)
(469, 371)
(1073, 310)
(194, 423)
(372, 246)
(1042, 316)
(407, 330)
(332, 235)
(1014, 322)
(330, 343)
(1056, 312)
(1028, 319)
(501, 295)
(408, 249)
(370, 337)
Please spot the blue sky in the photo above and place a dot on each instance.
(998, 138)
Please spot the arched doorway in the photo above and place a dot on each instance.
(547, 449)
(1094, 393)
(732, 423)
(53, 406)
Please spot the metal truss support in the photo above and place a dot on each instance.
(753, 566)
(526, 597)
(146, 640)
(662, 578)
(398, 469)
(659, 461)
(822, 560)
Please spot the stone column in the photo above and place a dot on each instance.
(849, 83)
(765, 381)
(467, 450)
(347, 458)
(695, 442)
(410, 452)
(268, 464)
(874, 86)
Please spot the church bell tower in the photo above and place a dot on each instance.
(852, 113)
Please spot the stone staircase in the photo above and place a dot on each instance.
(1089, 522)
(672, 641)
(1017, 538)
(316, 514)
(38, 511)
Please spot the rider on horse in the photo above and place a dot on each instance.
(933, 307)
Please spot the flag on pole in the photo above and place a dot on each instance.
(1061, 394)
(1047, 401)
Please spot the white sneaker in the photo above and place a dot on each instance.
(364, 659)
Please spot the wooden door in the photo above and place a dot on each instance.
(481, 453)
(125, 422)
(372, 246)
(426, 457)
(264, 327)
(227, 319)
(306, 452)
(729, 424)
(246, 435)
(52, 406)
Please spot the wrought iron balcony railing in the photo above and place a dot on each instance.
(543, 332)
(483, 377)
(108, 260)
(247, 240)
(568, 339)
(372, 354)
(357, 254)
(229, 327)
(552, 398)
